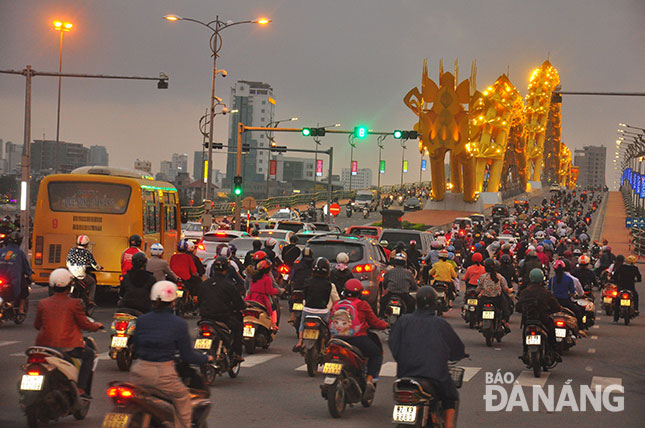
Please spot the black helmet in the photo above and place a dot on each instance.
(489, 264)
(400, 246)
(257, 244)
(135, 241)
(220, 264)
(15, 237)
(505, 259)
(293, 239)
(426, 297)
(139, 261)
(321, 266)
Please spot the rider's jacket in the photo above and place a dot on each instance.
(78, 260)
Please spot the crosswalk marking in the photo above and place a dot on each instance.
(17, 354)
(604, 382)
(8, 342)
(470, 372)
(303, 368)
(594, 337)
(526, 378)
(388, 369)
(254, 360)
(591, 350)
(595, 326)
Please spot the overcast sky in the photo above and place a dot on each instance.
(329, 61)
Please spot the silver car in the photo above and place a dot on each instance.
(207, 247)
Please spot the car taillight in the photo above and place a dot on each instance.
(625, 296)
(121, 325)
(220, 234)
(200, 246)
(36, 359)
(559, 323)
(310, 324)
(38, 250)
(363, 268)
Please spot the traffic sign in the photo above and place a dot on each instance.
(249, 203)
(634, 222)
(334, 209)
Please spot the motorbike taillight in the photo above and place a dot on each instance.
(395, 302)
(206, 330)
(120, 394)
(121, 326)
(488, 305)
(406, 397)
(254, 314)
(36, 359)
(283, 269)
(310, 323)
(560, 323)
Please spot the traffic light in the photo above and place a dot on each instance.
(237, 185)
(313, 132)
(279, 149)
(215, 145)
(246, 147)
(361, 132)
(405, 135)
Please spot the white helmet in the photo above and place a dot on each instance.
(190, 246)
(165, 291)
(342, 258)
(156, 249)
(83, 240)
(60, 278)
(270, 243)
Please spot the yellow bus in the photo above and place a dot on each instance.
(108, 205)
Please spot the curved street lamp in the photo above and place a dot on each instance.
(216, 26)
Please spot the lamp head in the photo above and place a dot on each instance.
(172, 17)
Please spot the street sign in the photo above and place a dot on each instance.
(634, 222)
(249, 203)
(334, 209)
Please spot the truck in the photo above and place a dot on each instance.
(366, 198)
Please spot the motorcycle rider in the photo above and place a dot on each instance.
(423, 333)
(507, 270)
(563, 287)
(368, 343)
(220, 300)
(190, 249)
(158, 337)
(625, 276)
(414, 255)
(126, 257)
(232, 273)
(184, 267)
(60, 320)
(248, 257)
(158, 266)
(79, 259)
(444, 271)
(528, 264)
(606, 259)
(474, 271)
(492, 287)
(269, 244)
(291, 252)
(136, 285)
(341, 273)
(318, 291)
(14, 267)
(398, 281)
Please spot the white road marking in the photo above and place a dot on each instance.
(526, 378)
(17, 354)
(599, 312)
(594, 337)
(254, 360)
(8, 342)
(470, 372)
(388, 369)
(303, 368)
(104, 356)
(589, 369)
(604, 382)
(595, 326)
(591, 350)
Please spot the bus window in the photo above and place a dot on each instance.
(88, 197)
(171, 217)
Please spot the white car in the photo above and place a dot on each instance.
(285, 214)
(207, 247)
(193, 231)
(276, 234)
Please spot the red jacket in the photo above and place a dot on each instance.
(126, 259)
(183, 265)
(366, 316)
(60, 320)
(260, 291)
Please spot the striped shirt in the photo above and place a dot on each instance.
(399, 280)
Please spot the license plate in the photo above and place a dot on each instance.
(116, 420)
(332, 368)
(488, 315)
(203, 343)
(625, 302)
(249, 331)
(534, 340)
(560, 332)
(180, 293)
(396, 310)
(473, 302)
(31, 383)
(119, 342)
(404, 413)
(298, 306)
(310, 333)
(607, 300)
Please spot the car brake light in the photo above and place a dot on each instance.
(201, 246)
(559, 323)
(310, 324)
(220, 234)
(625, 296)
(36, 359)
(121, 325)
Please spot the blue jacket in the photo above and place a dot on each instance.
(561, 290)
(13, 265)
(160, 334)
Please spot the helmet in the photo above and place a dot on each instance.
(259, 255)
(577, 252)
(477, 258)
(443, 254)
(489, 263)
(413, 243)
(190, 246)
(225, 252)
(400, 259)
(156, 249)
(353, 285)
(505, 259)
(631, 260)
(451, 248)
(607, 248)
(257, 244)
(83, 240)
(536, 275)
(15, 237)
(220, 264)
(435, 244)
(60, 278)
(532, 253)
(270, 243)
(384, 243)
(321, 265)
(164, 291)
(135, 241)
(426, 297)
(559, 264)
(342, 258)
(263, 264)
(233, 248)
(540, 248)
(583, 260)
(182, 246)
(478, 246)
(139, 260)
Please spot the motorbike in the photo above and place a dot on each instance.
(215, 338)
(48, 388)
(417, 402)
(587, 303)
(315, 335)
(627, 308)
(469, 309)
(491, 323)
(8, 311)
(395, 309)
(297, 305)
(366, 212)
(566, 329)
(539, 353)
(257, 327)
(78, 290)
(349, 209)
(345, 371)
(121, 344)
(136, 406)
(442, 300)
(609, 293)
(186, 303)
(311, 213)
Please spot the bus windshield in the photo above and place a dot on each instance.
(88, 197)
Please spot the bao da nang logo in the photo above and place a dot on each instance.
(502, 394)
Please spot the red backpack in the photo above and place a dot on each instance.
(344, 319)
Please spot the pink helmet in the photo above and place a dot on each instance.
(558, 264)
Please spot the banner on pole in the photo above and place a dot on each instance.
(273, 167)
(382, 167)
(405, 166)
(354, 167)
(423, 164)
(319, 168)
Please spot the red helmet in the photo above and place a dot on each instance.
(259, 255)
(477, 258)
(353, 285)
(558, 264)
(263, 264)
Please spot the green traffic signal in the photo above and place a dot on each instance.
(237, 185)
(360, 132)
(306, 132)
(398, 134)
(237, 191)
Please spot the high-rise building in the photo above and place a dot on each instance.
(165, 170)
(70, 156)
(362, 179)
(98, 156)
(143, 165)
(13, 158)
(256, 105)
(591, 163)
(179, 163)
(289, 169)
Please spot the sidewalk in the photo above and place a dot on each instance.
(613, 228)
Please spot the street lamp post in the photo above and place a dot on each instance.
(352, 144)
(61, 27)
(216, 26)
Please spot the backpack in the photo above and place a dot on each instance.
(344, 319)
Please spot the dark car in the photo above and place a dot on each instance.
(499, 212)
(412, 203)
(366, 259)
(393, 236)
